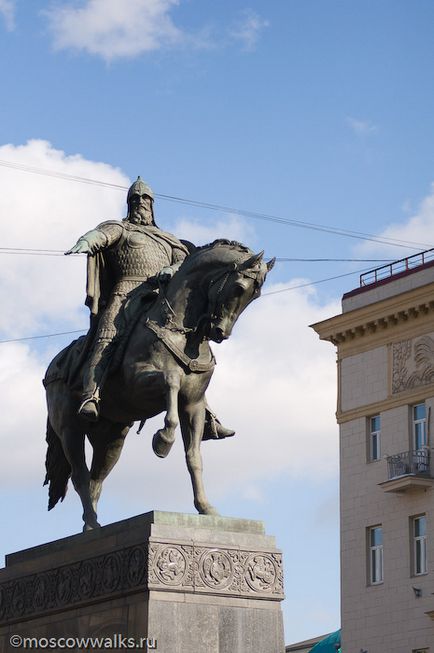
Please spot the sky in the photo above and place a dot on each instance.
(305, 111)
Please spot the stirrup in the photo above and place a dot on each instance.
(89, 409)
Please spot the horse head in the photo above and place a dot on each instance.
(231, 290)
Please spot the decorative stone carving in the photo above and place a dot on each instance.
(18, 602)
(170, 565)
(86, 579)
(216, 569)
(80, 582)
(261, 573)
(111, 572)
(161, 566)
(64, 585)
(2, 603)
(40, 592)
(136, 566)
(413, 363)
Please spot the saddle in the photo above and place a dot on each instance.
(68, 365)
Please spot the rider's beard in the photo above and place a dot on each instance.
(141, 216)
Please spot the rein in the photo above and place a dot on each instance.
(192, 364)
(163, 333)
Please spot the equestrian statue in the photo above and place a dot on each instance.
(155, 303)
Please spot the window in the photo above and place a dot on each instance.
(419, 427)
(374, 450)
(375, 538)
(419, 545)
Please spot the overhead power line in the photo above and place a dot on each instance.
(220, 207)
(58, 252)
(335, 260)
(313, 283)
(273, 292)
(47, 335)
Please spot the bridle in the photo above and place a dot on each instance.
(223, 278)
(214, 308)
(213, 314)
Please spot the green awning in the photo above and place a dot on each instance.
(328, 645)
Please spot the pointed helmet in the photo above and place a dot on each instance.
(139, 188)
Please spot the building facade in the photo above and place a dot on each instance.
(385, 359)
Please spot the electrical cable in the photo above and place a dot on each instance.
(59, 252)
(220, 207)
(47, 335)
(313, 283)
(273, 292)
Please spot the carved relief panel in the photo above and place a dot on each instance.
(412, 363)
(215, 570)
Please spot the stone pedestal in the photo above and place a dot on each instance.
(185, 583)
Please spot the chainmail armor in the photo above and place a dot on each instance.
(128, 259)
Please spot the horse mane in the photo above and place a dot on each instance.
(231, 247)
(224, 242)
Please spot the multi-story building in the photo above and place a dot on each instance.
(385, 360)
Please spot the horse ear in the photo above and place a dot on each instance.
(270, 264)
(252, 261)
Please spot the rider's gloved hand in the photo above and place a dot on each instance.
(91, 243)
(165, 275)
(81, 247)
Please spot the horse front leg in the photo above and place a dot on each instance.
(192, 417)
(164, 438)
(73, 446)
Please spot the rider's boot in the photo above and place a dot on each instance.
(93, 377)
(214, 429)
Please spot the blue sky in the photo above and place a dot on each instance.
(314, 110)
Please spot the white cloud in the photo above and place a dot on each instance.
(361, 127)
(112, 29)
(7, 10)
(48, 213)
(274, 382)
(248, 29)
(232, 227)
(417, 231)
(23, 415)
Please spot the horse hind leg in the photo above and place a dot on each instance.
(164, 438)
(107, 446)
(192, 419)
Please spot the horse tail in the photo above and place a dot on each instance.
(58, 468)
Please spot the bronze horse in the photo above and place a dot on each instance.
(166, 366)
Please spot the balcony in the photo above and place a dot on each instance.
(409, 470)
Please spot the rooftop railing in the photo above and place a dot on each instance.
(397, 267)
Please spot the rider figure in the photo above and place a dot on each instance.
(121, 256)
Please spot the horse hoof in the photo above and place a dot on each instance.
(209, 510)
(89, 527)
(160, 445)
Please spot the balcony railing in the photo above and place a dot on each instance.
(414, 463)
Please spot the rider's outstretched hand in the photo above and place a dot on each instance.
(81, 247)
